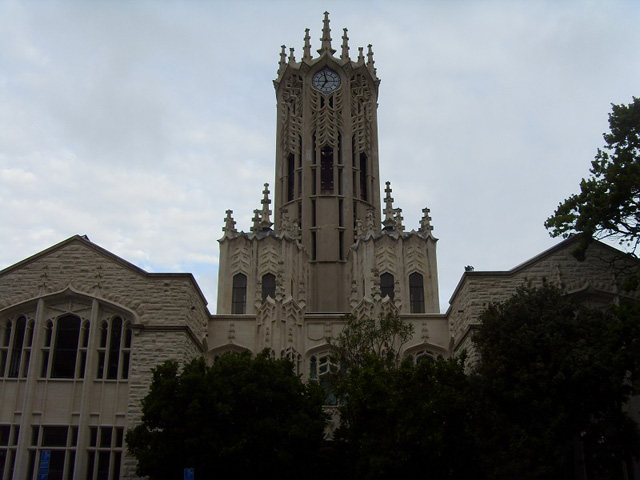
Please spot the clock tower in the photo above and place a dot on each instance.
(327, 158)
(331, 248)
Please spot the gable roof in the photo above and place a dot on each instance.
(563, 245)
(84, 240)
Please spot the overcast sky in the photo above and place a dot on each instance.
(139, 123)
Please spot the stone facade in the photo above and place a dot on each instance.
(81, 329)
(119, 321)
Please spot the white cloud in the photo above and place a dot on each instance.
(139, 123)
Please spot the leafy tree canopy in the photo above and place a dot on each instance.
(382, 337)
(552, 380)
(608, 205)
(249, 415)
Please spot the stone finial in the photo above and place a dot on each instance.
(265, 221)
(345, 46)
(283, 60)
(229, 228)
(256, 221)
(292, 57)
(370, 61)
(389, 212)
(425, 223)
(306, 52)
(398, 218)
(326, 37)
(360, 56)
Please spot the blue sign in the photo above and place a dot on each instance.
(189, 473)
(45, 460)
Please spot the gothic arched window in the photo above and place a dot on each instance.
(239, 296)
(65, 349)
(268, 286)
(321, 366)
(387, 285)
(416, 293)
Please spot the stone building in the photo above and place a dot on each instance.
(81, 329)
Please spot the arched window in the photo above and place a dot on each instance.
(239, 297)
(321, 366)
(294, 357)
(416, 293)
(114, 349)
(65, 350)
(268, 286)
(422, 356)
(386, 285)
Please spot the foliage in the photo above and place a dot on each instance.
(382, 337)
(608, 204)
(407, 422)
(551, 381)
(252, 416)
(398, 420)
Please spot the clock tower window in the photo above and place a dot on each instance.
(326, 170)
(290, 177)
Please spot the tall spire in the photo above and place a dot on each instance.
(345, 46)
(326, 37)
(306, 53)
(265, 222)
(370, 61)
(389, 221)
(283, 60)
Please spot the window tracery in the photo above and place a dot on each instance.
(114, 349)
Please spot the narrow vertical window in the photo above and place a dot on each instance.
(341, 245)
(4, 347)
(65, 349)
(26, 354)
(84, 342)
(114, 348)
(126, 352)
(363, 177)
(314, 249)
(290, 176)
(387, 285)
(326, 170)
(239, 296)
(16, 348)
(102, 348)
(268, 286)
(416, 293)
(46, 348)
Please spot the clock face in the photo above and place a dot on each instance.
(326, 80)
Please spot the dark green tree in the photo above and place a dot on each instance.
(248, 415)
(382, 337)
(397, 419)
(551, 383)
(608, 205)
